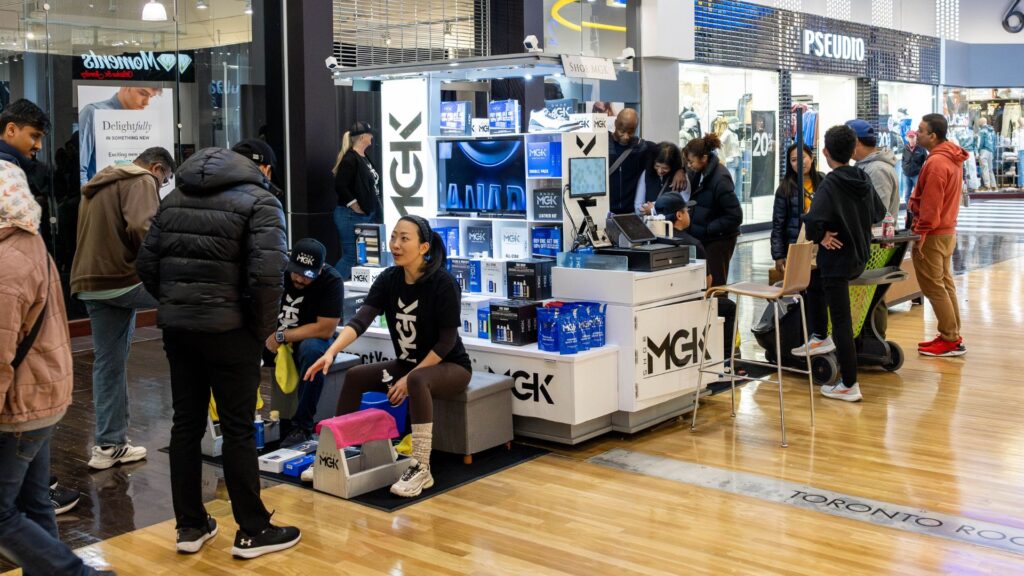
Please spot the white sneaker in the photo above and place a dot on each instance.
(307, 475)
(817, 345)
(415, 479)
(103, 458)
(839, 391)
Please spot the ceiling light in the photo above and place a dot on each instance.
(30, 35)
(201, 5)
(154, 11)
(248, 7)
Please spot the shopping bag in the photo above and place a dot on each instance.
(285, 372)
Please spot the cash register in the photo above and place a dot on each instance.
(646, 252)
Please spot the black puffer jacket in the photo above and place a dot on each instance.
(789, 206)
(717, 214)
(215, 253)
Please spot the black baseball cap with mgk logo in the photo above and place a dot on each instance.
(307, 258)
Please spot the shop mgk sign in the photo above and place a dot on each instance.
(836, 46)
(407, 159)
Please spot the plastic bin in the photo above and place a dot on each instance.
(380, 401)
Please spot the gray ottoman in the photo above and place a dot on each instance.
(478, 419)
(332, 385)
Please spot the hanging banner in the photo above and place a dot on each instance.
(410, 181)
(762, 154)
(117, 123)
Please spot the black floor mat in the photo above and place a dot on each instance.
(752, 371)
(448, 470)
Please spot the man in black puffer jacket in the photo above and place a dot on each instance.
(215, 257)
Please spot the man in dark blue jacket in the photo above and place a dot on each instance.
(215, 257)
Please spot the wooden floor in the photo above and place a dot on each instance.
(944, 435)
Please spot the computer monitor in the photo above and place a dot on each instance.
(588, 177)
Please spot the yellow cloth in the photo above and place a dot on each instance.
(405, 446)
(213, 405)
(285, 372)
(808, 194)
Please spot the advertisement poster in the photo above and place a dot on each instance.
(117, 123)
(408, 163)
(455, 118)
(762, 154)
(503, 116)
(544, 156)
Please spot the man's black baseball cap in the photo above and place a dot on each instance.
(307, 258)
(258, 151)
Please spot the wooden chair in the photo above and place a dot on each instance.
(796, 279)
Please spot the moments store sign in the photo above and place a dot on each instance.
(139, 66)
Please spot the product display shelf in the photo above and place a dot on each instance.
(560, 398)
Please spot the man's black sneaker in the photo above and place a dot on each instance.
(53, 482)
(271, 539)
(295, 437)
(63, 500)
(191, 540)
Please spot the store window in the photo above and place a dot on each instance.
(827, 101)
(900, 109)
(988, 123)
(114, 84)
(741, 106)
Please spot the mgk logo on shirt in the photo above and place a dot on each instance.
(289, 316)
(405, 326)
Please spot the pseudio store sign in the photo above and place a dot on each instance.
(146, 66)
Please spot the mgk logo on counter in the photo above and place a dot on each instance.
(676, 350)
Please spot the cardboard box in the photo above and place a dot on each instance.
(514, 322)
(483, 322)
(479, 241)
(515, 243)
(546, 241)
(364, 276)
(274, 461)
(459, 267)
(369, 243)
(476, 273)
(529, 279)
(493, 277)
(296, 467)
(471, 305)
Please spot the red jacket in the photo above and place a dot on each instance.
(935, 201)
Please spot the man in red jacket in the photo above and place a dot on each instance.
(935, 205)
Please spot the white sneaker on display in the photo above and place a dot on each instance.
(103, 458)
(413, 481)
(839, 391)
(817, 347)
(307, 475)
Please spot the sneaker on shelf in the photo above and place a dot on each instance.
(414, 480)
(817, 346)
(307, 475)
(840, 391)
(191, 540)
(944, 349)
(271, 539)
(296, 436)
(63, 499)
(104, 457)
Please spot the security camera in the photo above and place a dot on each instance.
(532, 45)
(627, 53)
(331, 62)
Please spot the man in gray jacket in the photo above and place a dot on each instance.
(879, 163)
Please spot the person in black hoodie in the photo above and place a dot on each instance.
(357, 184)
(215, 257)
(716, 218)
(842, 212)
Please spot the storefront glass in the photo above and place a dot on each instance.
(827, 101)
(182, 86)
(741, 106)
(900, 109)
(990, 120)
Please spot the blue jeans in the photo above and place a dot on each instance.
(28, 527)
(306, 353)
(113, 323)
(345, 220)
(908, 187)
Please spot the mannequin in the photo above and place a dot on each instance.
(731, 151)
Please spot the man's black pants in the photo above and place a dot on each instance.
(229, 365)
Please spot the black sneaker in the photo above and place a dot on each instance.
(63, 500)
(271, 539)
(295, 437)
(191, 540)
(53, 482)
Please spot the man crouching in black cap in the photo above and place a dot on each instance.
(310, 311)
(676, 210)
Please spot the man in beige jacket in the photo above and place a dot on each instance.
(117, 207)
(35, 383)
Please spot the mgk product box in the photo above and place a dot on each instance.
(274, 461)
(514, 322)
(459, 267)
(364, 276)
(529, 279)
(483, 322)
(492, 277)
(471, 305)
(515, 243)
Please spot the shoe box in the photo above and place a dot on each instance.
(514, 322)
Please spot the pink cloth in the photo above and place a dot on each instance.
(360, 427)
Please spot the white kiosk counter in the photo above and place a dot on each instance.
(645, 374)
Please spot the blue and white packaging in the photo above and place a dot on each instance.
(452, 241)
(479, 241)
(483, 321)
(546, 241)
(547, 329)
(455, 118)
(470, 313)
(475, 276)
(493, 277)
(515, 243)
(459, 268)
(296, 467)
(503, 116)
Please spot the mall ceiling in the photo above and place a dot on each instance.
(115, 26)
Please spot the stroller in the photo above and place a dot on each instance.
(867, 303)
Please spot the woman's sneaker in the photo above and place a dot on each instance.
(104, 457)
(191, 540)
(414, 480)
(816, 345)
(841, 392)
(271, 539)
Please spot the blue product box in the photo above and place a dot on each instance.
(452, 241)
(546, 241)
(476, 276)
(297, 466)
(460, 269)
(479, 241)
(483, 316)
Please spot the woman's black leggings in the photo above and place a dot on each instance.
(443, 380)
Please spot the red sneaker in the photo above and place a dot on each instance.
(945, 349)
(928, 343)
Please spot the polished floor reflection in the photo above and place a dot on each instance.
(943, 435)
